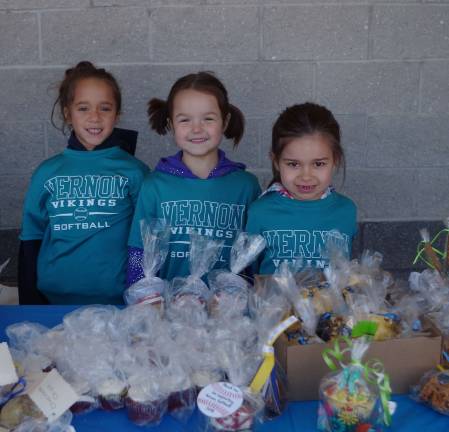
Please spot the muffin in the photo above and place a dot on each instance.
(143, 408)
(111, 394)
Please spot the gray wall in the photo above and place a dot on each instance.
(382, 67)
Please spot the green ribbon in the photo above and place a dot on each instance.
(420, 249)
(373, 371)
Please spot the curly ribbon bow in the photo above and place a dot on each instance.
(267, 365)
(421, 249)
(373, 372)
(16, 389)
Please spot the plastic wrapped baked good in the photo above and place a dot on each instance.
(151, 289)
(355, 396)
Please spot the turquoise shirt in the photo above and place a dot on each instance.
(215, 207)
(80, 204)
(296, 229)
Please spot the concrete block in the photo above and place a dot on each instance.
(19, 43)
(227, 2)
(315, 32)
(56, 140)
(264, 89)
(265, 140)
(382, 193)
(248, 150)
(368, 87)
(103, 34)
(177, 2)
(150, 146)
(141, 83)
(101, 3)
(27, 94)
(12, 191)
(204, 34)
(410, 31)
(22, 146)
(264, 177)
(408, 141)
(353, 139)
(435, 87)
(43, 4)
(397, 242)
(352, 2)
(431, 191)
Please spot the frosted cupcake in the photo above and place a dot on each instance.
(111, 394)
(145, 403)
(182, 398)
(86, 402)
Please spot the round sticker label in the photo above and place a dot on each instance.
(219, 399)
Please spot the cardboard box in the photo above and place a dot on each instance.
(405, 360)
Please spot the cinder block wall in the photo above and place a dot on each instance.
(381, 66)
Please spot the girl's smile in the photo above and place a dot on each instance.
(198, 129)
(93, 112)
(306, 166)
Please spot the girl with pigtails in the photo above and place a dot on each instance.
(197, 189)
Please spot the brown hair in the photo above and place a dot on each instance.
(297, 121)
(66, 90)
(160, 111)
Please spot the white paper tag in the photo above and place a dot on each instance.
(8, 374)
(219, 400)
(53, 395)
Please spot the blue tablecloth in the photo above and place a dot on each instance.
(299, 416)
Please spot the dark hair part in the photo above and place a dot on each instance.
(66, 90)
(297, 121)
(160, 111)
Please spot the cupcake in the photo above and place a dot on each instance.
(182, 398)
(86, 402)
(202, 378)
(240, 420)
(143, 407)
(111, 394)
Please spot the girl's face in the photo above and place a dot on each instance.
(306, 166)
(197, 123)
(93, 112)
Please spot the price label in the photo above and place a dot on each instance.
(53, 395)
(8, 374)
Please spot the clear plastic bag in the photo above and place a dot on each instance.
(151, 289)
(230, 290)
(146, 401)
(244, 418)
(350, 397)
(433, 390)
(62, 424)
(188, 297)
(301, 301)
